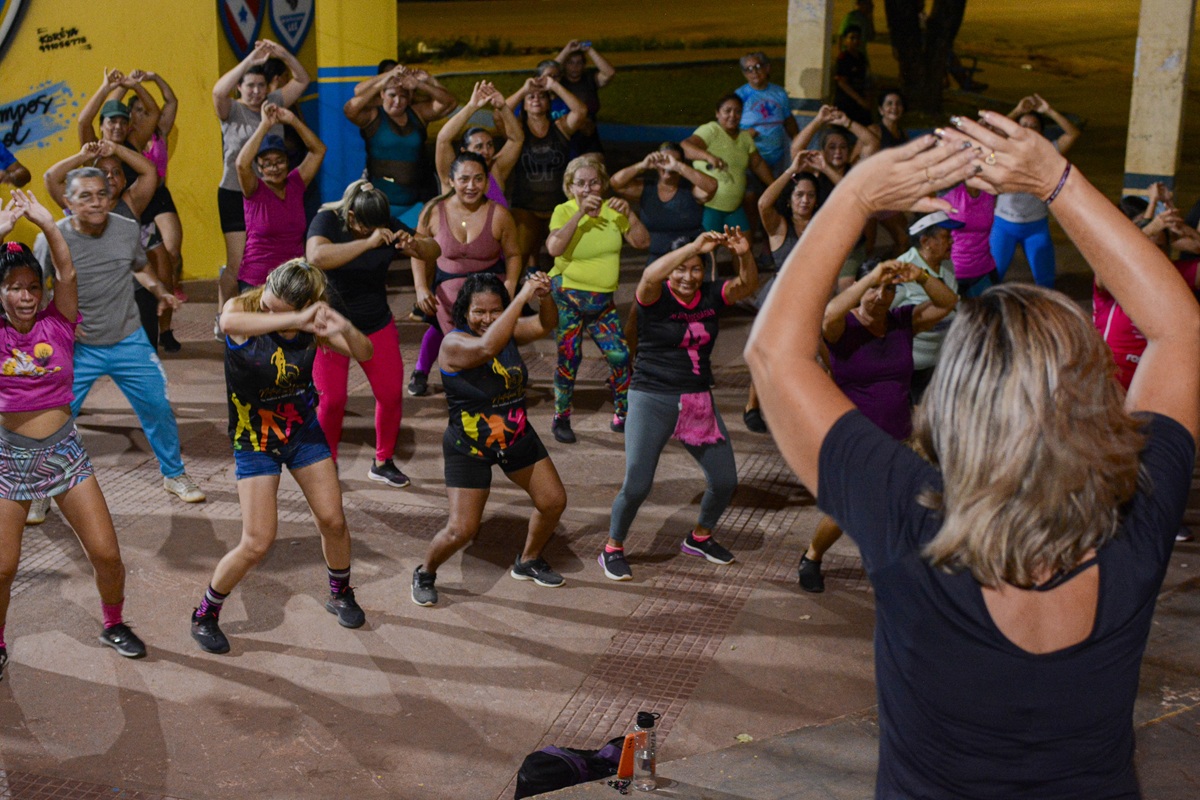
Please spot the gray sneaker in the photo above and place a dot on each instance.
(37, 511)
(424, 593)
(183, 487)
(536, 570)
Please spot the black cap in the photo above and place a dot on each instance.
(645, 719)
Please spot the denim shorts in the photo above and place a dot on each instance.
(307, 446)
(33, 469)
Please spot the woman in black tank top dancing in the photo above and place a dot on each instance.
(484, 377)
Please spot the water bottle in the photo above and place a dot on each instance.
(645, 758)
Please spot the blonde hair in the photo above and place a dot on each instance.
(587, 160)
(1027, 423)
(368, 204)
(296, 282)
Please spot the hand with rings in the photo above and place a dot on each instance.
(991, 159)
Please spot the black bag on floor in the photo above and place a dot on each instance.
(554, 768)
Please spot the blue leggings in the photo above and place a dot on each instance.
(1034, 237)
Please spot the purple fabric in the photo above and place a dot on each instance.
(971, 251)
(876, 372)
(495, 191)
(697, 424)
(430, 345)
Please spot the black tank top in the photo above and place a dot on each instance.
(268, 380)
(538, 176)
(666, 222)
(487, 403)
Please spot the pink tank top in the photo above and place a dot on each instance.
(156, 151)
(458, 258)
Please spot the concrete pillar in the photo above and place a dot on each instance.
(809, 53)
(352, 38)
(1159, 87)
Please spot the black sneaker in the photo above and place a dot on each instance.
(418, 384)
(424, 593)
(708, 549)
(168, 342)
(561, 428)
(811, 579)
(536, 570)
(207, 633)
(349, 613)
(123, 640)
(754, 421)
(617, 425)
(388, 473)
(616, 568)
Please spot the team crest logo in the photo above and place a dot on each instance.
(242, 20)
(291, 20)
(10, 11)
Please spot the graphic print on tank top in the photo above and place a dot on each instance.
(487, 404)
(271, 394)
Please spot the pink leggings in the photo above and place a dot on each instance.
(384, 371)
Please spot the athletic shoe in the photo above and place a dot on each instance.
(183, 487)
(754, 421)
(424, 593)
(218, 334)
(36, 514)
(349, 613)
(561, 428)
(3, 661)
(179, 293)
(123, 640)
(617, 425)
(708, 549)
(418, 384)
(168, 342)
(388, 473)
(811, 579)
(1184, 534)
(616, 568)
(536, 570)
(207, 633)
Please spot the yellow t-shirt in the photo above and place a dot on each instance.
(731, 181)
(592, 261)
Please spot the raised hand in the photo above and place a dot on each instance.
(113, 78)
(708, 241)
(91, 150)
(736, 240)
(618, 205)
(1009, 158)
(1040, 105)
(481, 94)
(329, 323)
(380, 237)
(285, 115)
(31, 209)
(908, 177)
(9, 215)
(262, 51)
(105, 148)
(270, 113)
(902, 272)
(591, 204)
(540, 282)
(838, 117)
(402, 240)
(1026, 105)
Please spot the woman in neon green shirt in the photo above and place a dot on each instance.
(586, 234)
(725, 151)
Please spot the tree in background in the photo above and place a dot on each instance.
(922, 45)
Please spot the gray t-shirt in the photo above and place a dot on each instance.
(103, 265)
(1021, 207)
(236, 130)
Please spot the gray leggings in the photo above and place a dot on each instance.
(648, 427)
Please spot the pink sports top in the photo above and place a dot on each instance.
(156, 151)
(36, 368)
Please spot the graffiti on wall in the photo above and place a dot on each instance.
(37, 117)
(63, 37)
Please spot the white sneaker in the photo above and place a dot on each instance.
(37, 511)
(185, 488)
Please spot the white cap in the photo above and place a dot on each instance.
(937, 218)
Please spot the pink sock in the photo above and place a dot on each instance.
(608, 548)
(112, 613)
(2, 644)
(704, 538)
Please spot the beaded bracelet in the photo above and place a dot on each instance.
(1061, 183)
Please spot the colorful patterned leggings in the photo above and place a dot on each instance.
(594, 311)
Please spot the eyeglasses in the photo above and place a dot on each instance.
(272, 163)
(592, 184)
(754, 68)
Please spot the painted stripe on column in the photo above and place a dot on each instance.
(1142, 180)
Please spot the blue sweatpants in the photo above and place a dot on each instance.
(1034, 237)
(135, 369)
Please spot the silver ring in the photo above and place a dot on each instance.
(991, 158)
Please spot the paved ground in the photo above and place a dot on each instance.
(444, 702)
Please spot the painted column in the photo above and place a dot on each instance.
(809, 53)
(1159, 87)
(352, 38)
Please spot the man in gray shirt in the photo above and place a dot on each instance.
(106, 250)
